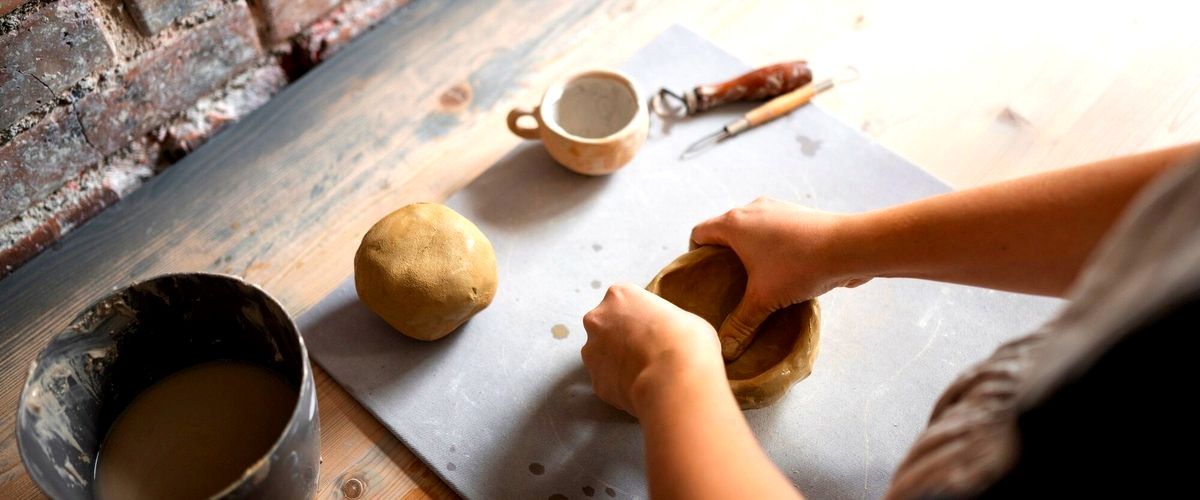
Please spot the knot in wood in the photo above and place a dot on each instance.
(353, 488)
(456, 97)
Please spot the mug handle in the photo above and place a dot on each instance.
(516, 114)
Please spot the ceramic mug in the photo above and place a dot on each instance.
(592, 123)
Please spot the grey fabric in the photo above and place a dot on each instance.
(503, 409)
(1151, 257)
(1097, 388)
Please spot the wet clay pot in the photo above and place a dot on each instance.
(709, 282)
(135, 337)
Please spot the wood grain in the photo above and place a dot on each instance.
(414, 110)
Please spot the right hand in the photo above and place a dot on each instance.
(791, 254)
(639, 345)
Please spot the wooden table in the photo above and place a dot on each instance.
(973, 93)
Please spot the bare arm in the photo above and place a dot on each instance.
(1030, 235)
(663, 365)
(698, 445)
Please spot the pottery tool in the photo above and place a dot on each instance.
(762, 83)
(773, 109)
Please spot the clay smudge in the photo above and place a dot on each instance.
(537, 469)
(72, 473)
(453, 449)
(589, 491)
(610, 492)
(596, 284)
(559, 331)
(1011, 117)
(596, 247)
(808, 146)
(558, 496)
(451, 467)
(48, 395)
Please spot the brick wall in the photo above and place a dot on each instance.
(96, 96)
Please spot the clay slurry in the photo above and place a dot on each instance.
(193, 433)
(594, 107)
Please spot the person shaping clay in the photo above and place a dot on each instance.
(425, 270)
(709, 282)
(1082, 406)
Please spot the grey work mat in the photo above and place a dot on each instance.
(504, 409)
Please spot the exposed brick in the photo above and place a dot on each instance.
(167, 80)
(7, 6)
(41, 225)
(77, 201)
(287, 17)
(243, 94)
(53, 48)
(332, 31)
(40, 160)
(154, 15)
(81, 204)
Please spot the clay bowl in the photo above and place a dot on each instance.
(709, 282)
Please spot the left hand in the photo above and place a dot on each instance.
(640, 345)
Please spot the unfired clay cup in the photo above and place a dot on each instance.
(592, 123)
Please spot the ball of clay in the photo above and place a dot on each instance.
(709, 282)
(425, 270)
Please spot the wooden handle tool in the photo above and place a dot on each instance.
(762, 83)
(773, 109)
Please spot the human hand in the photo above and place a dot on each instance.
(791, 254)
(640, 345)
(663, 366)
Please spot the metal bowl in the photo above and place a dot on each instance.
(133, 338)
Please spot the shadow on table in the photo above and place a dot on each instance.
(349, 333)
(526, 187)
(548, 454)
(551, 449)
(815, 477)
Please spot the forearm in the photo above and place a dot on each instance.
(1030, 235)
(698, 444)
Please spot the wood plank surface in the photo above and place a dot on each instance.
(972, 91)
